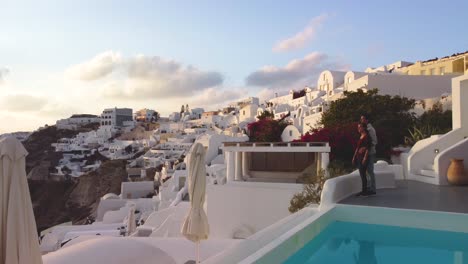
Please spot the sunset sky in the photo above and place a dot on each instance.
(58, 58)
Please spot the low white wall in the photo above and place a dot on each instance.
(133, 190)
(442, 161)
(256, 205)
(338, 188)
(109, 205)
(257, 242)
(142, 204)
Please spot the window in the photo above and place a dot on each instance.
(290, 133)
(442, 70)
(423, 72)
(432, 71)
(243, 112)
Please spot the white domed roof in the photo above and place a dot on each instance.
(114, 250)
(110, 196)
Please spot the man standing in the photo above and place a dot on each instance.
(370, 167)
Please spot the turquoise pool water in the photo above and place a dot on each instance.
(347, 242)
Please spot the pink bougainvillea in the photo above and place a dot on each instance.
(266, 130)
(342, 139)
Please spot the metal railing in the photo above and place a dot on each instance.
(275, 144)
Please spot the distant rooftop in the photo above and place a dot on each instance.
(446, 57)
(83, 116)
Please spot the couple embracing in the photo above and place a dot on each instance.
(364, 156)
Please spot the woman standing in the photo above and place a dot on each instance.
(360, 159)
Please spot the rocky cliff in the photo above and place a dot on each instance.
(42, 156)
(58, 202)
(72, 200)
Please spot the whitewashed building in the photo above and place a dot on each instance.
(75, 121)
(248, 113)
(145, 115)
(113, 119)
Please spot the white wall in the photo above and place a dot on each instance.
(214, 142)
(424, 153)
(281, 99)
(257, 205)
(142, 204)
(412, 86)
(442, 161)
(310, 121)
(133, 190)
(330, 80)
(338, 188)
(248, 113)
(459, 102)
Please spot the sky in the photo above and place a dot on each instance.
(59, 58)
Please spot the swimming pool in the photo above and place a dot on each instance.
(369, 235)
(348, 242)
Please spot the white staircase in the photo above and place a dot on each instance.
(428, 171)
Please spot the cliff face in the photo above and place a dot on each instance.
(42, 156)
(58, 202)
(72, 200)
(92, 186)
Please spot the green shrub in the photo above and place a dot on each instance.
(313, 186)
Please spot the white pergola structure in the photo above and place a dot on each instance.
(236, 154)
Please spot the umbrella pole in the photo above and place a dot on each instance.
(198, 252)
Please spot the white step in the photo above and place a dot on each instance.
(428, 173)
(429, 166)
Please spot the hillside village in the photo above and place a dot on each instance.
(148, 141)
(102, 162)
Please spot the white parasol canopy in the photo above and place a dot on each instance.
(19, 243)
(195, 227)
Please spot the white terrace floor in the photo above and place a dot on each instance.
(417, 195)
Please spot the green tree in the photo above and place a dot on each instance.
(434, 121)
(391, 116)
(155, 116)
(436, 118)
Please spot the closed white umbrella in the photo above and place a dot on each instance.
(195, 227)
(19, 243)
(131, 221)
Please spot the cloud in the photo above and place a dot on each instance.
(98, 67)
(3, 73)
(142, 77)
(298, 72)
(266, 94)
(22, 103)
(301, 38)
(217, 98)
(59, 110)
